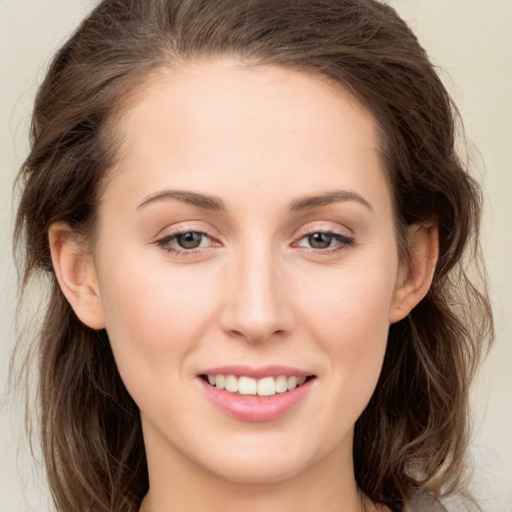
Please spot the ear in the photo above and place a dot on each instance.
(416, 274)
(76, 274)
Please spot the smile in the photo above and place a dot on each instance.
(266, 386)
(256, 394)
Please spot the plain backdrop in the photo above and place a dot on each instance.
(470, 41)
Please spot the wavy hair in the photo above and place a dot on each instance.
(414, 432)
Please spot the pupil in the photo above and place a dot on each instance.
(320, 240)
(189, 240)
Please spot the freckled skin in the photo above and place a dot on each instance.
(254, 292)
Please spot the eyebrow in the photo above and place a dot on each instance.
(213, 203)
(203, 201)
(336, 196)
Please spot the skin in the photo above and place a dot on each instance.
(255, 292)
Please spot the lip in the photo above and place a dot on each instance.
(253, 408)
(257, 373)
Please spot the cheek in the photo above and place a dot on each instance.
(153, 314)
(352, 308)
(350, 321)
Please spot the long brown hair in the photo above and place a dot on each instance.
(413, 433)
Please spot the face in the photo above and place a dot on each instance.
(246, 239)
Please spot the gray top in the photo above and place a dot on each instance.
(424, 502)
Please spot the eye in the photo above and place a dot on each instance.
(189, 240)
(185, 241)
(322, 240)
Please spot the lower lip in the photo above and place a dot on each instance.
(254, 408)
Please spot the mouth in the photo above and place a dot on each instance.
(249, 386)
(263, 393)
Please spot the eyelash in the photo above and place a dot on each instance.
(344, 242)
(165, 242)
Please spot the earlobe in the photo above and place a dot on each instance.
(415, 276)
(76, 274)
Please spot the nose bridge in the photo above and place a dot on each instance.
(256, 303)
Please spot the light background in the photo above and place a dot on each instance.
(470, 40)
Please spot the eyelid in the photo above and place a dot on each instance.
(185, 227)
(165, 236)
(324, 227)
(340, 237)
(172, 236)
(344, 237)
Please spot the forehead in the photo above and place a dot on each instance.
(226, 125)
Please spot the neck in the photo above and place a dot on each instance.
(257, 499)
(178, 484)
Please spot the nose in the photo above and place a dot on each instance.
(256, 304)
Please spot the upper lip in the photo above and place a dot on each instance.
(257, 372)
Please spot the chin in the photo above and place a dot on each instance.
(258, 471)
(264, 462)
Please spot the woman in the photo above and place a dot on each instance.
(253, 220)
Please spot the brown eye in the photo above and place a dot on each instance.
(190, 240)
(320, 240)
(183, 243)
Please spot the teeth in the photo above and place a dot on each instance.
(281, 384)
(231, 384)
(220, 381)
(267, 386)
(247, 386)
(292, 383)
